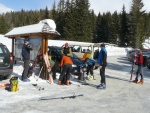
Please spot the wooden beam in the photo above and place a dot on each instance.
(46, 45)
(12, 50)
(42, 50)
(48, 35)
(46, 50)
(43, 46)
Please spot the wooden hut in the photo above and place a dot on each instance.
(45, 29)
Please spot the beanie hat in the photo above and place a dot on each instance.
(102, 45)
(66, 44)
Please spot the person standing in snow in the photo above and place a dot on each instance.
(26, 48)
(102, 61)
(67, 50)
(139, 61)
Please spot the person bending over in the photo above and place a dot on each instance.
(66, 66)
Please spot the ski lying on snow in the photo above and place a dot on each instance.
(73, 95)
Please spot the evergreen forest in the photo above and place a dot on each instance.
(75, 21)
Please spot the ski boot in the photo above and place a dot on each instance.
(59, 83)
(90, 77)
(135, 81)
(67, 82)
(141, 82)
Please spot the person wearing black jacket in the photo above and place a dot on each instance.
(67, 50)
(26, 48)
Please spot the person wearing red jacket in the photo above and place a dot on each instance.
(139, 62)
(66, 66)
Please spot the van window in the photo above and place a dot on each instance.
(76, 48)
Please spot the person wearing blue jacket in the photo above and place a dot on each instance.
(90, 66)
(102, 61)
(26, 48)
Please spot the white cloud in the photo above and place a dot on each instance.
(4, 9)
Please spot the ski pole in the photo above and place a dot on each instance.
(39, 73)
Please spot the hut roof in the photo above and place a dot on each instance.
(46, 27)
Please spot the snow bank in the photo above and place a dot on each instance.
(59, 43)
(117, 51)
(146, 43)
(6, 41)
(112, 50)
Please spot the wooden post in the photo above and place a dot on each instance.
(43, 64)
(46, 45)
(46, 50)
(12, 50)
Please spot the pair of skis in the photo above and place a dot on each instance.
(73, 95)
(48, 67)
(35, 63)
(133, 65)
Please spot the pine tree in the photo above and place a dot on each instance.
(46, 15)
(103, 29)
(97, 28)
(69, 25)
(54, 12)
(137, 23)
(93, 24)
(83, 27)
(3, 25)
(114, 28)
(124, 30)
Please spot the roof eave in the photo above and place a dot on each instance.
(39, 34)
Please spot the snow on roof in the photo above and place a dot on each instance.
(44, 26)
(26, 29)
(49, 22)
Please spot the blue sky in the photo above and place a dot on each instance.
(97, 5)
(17, 5)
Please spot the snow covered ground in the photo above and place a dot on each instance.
(120, 96)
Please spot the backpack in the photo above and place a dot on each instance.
(13, 84)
